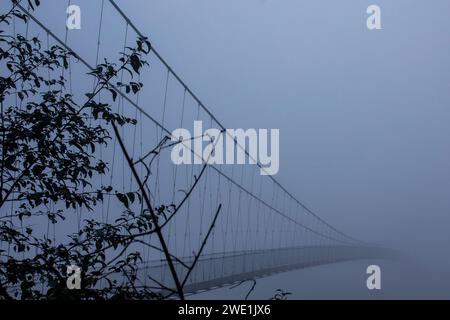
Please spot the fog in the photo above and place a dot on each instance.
(363, 116)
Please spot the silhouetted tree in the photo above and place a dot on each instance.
(48, 165)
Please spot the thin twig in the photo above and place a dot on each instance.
(197, 256)
(252, 288)
(152, 214)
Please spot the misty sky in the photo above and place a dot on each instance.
(364, 116)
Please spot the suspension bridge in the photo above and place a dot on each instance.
(262, 228)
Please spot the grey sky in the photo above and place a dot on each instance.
(363, 115)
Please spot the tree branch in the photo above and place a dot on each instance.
(152, 214)
(197, 256)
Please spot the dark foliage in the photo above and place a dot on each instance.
(49, 169)
(48, 142)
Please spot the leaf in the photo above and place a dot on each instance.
(122, 198)
(135, 63)
(131, 196)
(20, 16)
(114, 94)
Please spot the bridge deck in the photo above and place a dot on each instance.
(227, 268)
